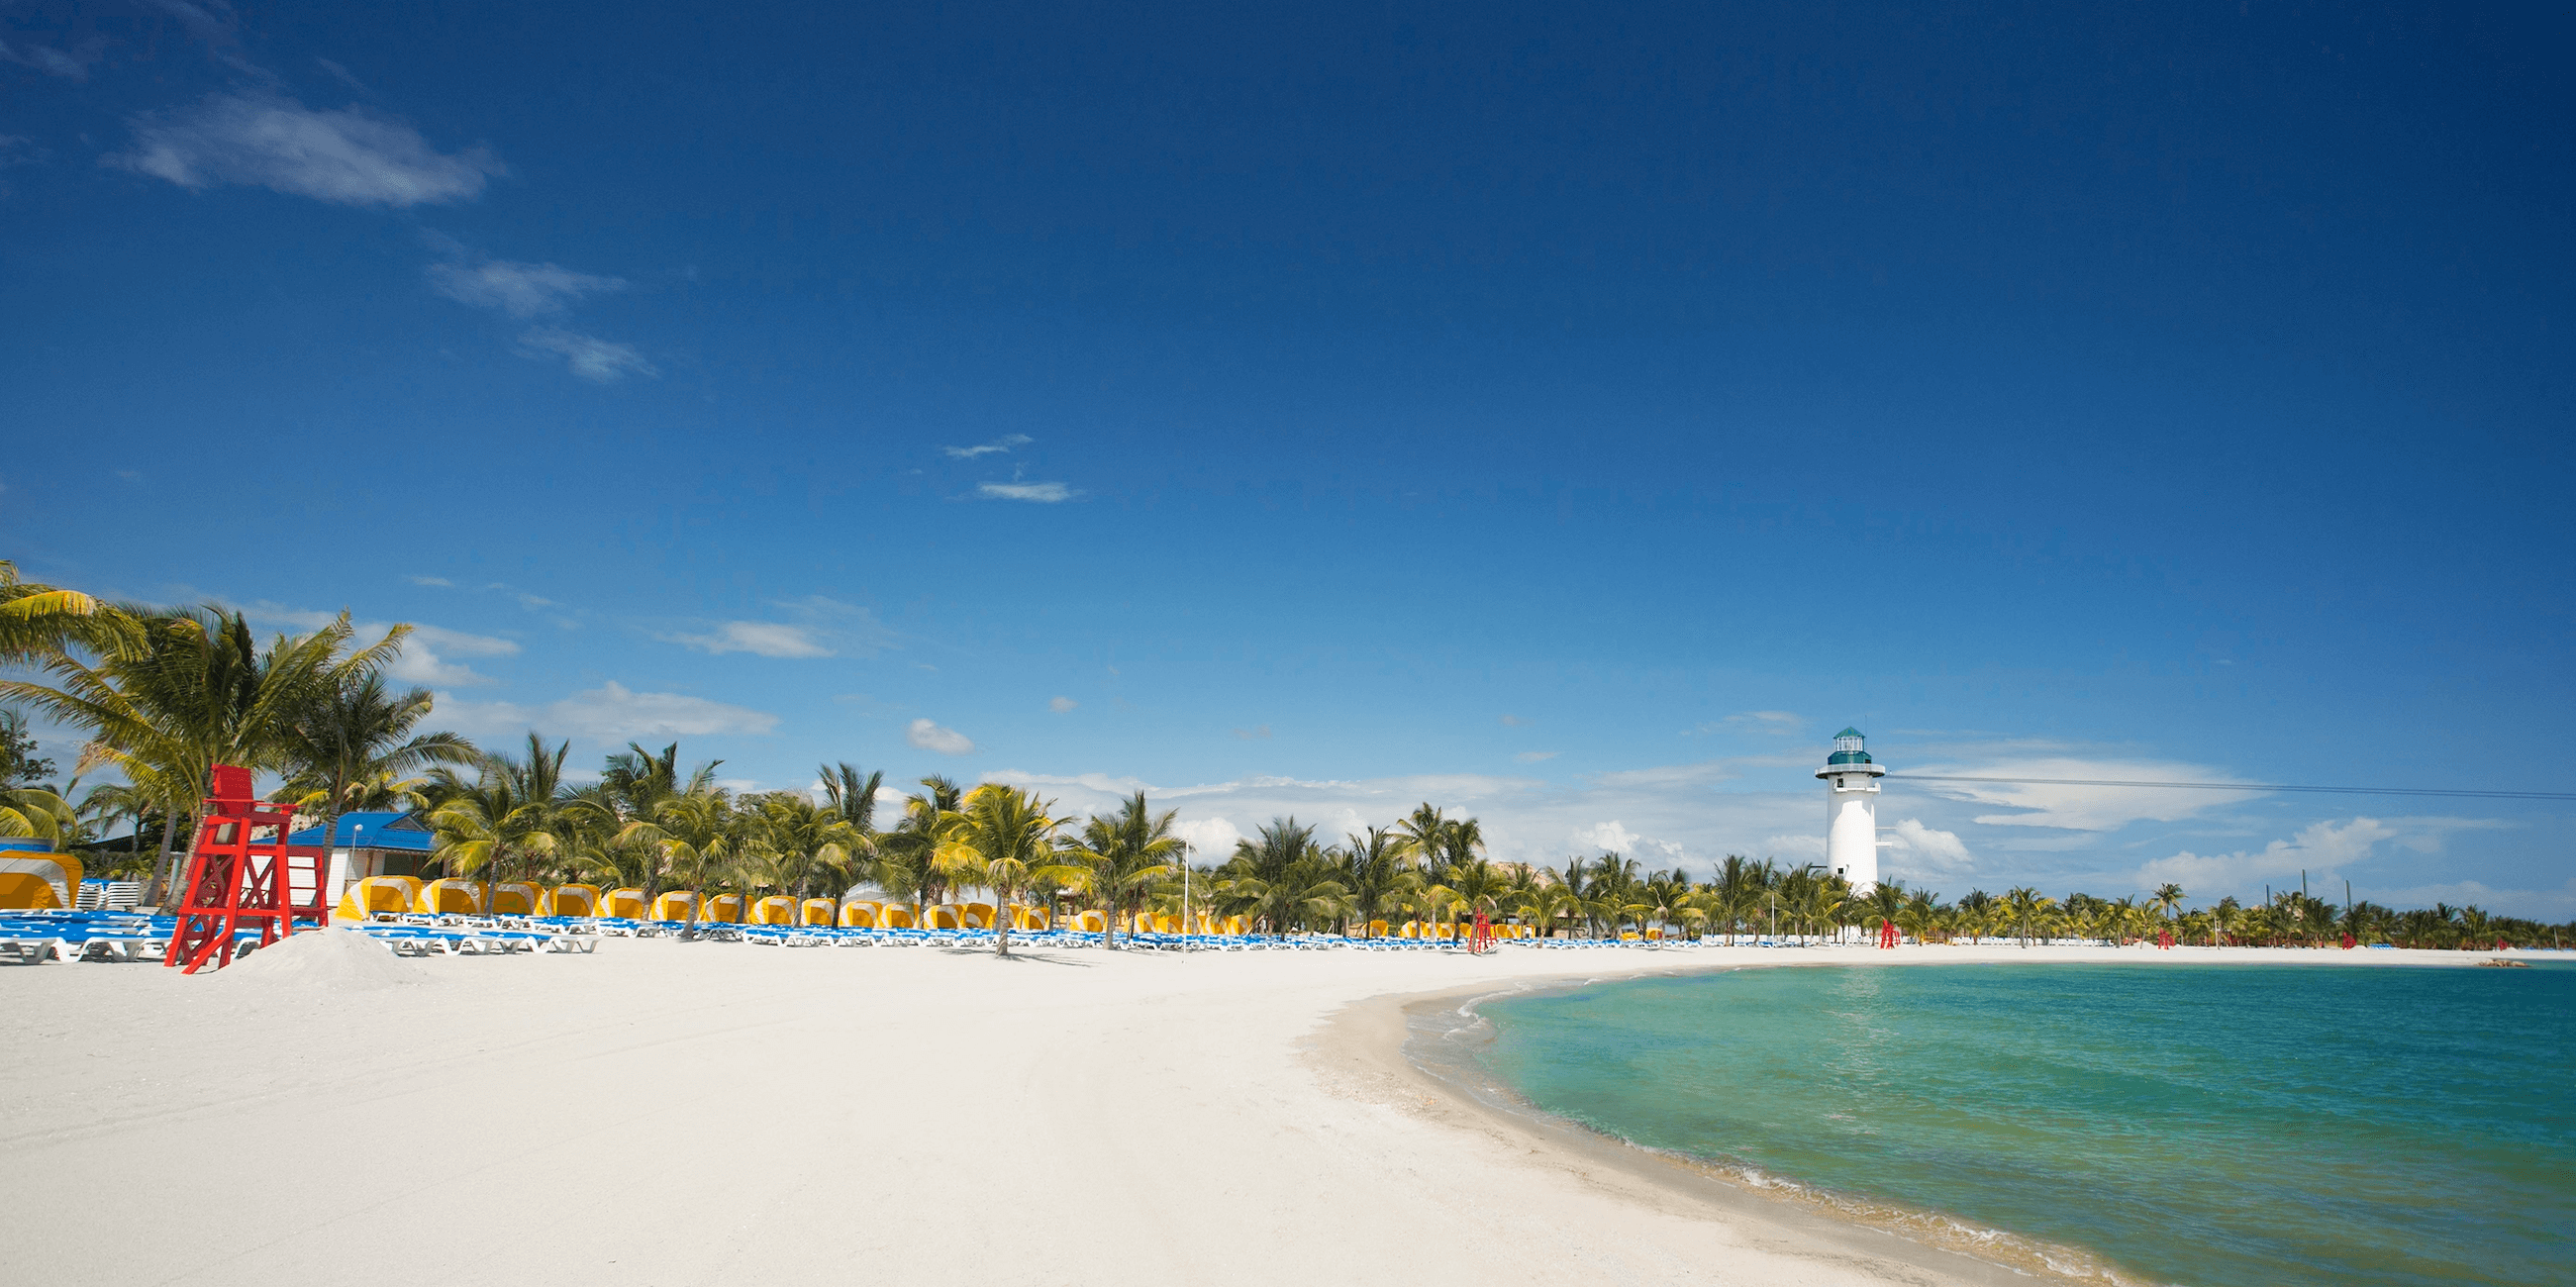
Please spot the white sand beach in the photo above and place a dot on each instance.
(683, 1113)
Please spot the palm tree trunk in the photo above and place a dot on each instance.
(161, 869)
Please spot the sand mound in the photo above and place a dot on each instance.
(335, 960)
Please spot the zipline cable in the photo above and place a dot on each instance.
(2239, 786)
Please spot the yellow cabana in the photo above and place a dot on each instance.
(1032, 919)
(1091, 922)
(364, 900)
(892, 916)
(624, 904)
(977, 915)
(517, 898)
(674, 906)
(1376, 929)
(576, 900)
(859, 914)
(451, 897)
(774, 909)
(1236, 925)
(819, 911)
(34, 881)
(725, 907)
(943, 916)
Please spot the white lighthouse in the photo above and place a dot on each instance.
(1851, 811)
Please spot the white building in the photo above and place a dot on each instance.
(1851, 811)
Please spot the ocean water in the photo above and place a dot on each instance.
(2213, 1126)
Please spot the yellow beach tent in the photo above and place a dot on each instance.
(892, 916)
(518, 898)
(773, 909)
(725, 907)
(859, 914)
(674, 906)
(1091, 922)
(819, 911)
(943, 916)
(576, 900)
(364, 900)
(976, 915)
(625, 904)
(451, 897)
(34, 881)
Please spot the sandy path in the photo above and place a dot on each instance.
(673, 1113)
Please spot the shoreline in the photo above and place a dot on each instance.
(1395, 1042)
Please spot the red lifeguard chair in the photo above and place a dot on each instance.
(1888, 935)
(1482, 939)
(243, 874)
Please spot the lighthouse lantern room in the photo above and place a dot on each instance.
(1851, 811)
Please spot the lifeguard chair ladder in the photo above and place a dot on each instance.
(1482, 940)
(242, 874)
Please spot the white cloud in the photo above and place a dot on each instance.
(428, 580)
(763, 638)
(1533, 757)
(1060, 705)
(1003, 443)
(520, 290)
(1043, 493)
(1919, 847)
(590, 357)
(610, 713)
(933, 737)
(2320, 849)
(1252, 734)
(825, 627)
(1211, 838)
(1513, 721)
(352, 156)
(2079, 808)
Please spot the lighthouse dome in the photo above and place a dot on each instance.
(1849, 748)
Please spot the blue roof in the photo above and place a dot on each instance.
(383, 831)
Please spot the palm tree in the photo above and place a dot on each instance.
(1121, 857)
(353, 732)
(510, 818)
(1423, 838)
(1002, 838)
(807, 839)
(1369, 869)
(852, 796)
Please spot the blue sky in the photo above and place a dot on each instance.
(1572, 419)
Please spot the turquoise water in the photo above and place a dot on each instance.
(2212, 1126)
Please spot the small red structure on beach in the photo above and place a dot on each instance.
(1482, 939)
(243, 874)
(1888, 935)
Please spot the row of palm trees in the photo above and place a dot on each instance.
(165, 694)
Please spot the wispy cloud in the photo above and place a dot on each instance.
(1536, 757)
(1061, 705)
(588, 356)
(2081, 808)
(1514, 721)
(1253, 734)
(932, 736)
(520, 290)
(760, 638)
(431, 580)
(1043, 493)
(49, 60)
(353, 156)
(1004, 443)
(823, 627)
(610, 713)
(425, 654)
